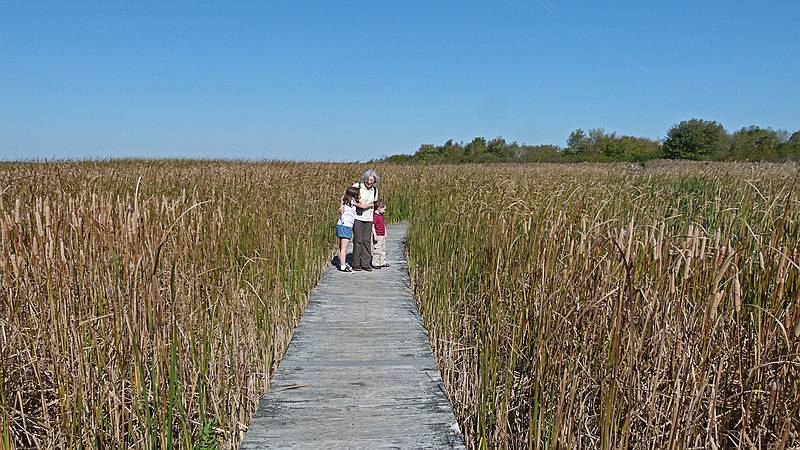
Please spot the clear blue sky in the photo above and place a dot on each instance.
(357, 80)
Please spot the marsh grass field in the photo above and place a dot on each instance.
(144, 304)
(599, 307)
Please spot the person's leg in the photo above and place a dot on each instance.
(376, 254)
(357, 246)
(366, 252)
(380, 252)
(364, 246)
(343, 242)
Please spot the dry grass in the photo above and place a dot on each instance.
(591, 307)
(144, 304)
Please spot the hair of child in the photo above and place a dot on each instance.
(351, 196)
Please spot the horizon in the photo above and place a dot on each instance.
(357, 82)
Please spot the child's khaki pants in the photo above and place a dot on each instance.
(379, 251)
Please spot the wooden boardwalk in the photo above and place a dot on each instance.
(359, 372)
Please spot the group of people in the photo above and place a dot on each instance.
(362, 221)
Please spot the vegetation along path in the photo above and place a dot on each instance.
(359, 372)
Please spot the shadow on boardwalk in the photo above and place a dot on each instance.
(359, 372)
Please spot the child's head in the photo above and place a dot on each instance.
(351, 195)
(380, 206)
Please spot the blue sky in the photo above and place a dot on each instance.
(358, 80)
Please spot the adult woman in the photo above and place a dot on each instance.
(362, 227)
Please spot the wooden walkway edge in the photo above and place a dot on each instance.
(359, 371)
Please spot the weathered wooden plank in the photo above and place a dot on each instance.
(359, 372)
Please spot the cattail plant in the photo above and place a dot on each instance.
(585, 307)
(145, 304)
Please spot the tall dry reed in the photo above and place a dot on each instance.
(144, 304)
(592, 306)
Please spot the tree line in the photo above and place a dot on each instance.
(693, 139)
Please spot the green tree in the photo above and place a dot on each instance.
(540, 153)
(577, 143)
(696, 139)
(754, 143)
(427, 152)
(399, 159)
(616, 149)
(515, 151)
(639, 148)
(452, 152)
(476, 148)
(791, 148)
(498, 148)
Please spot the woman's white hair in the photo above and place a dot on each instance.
(371, 173)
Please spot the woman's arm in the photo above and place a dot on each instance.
(365, 205)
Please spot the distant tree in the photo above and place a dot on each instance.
(696, 139)
(475, 148)
(598, 145)
(598, 141)
(754, 143)
(639, 148)
(596, 135)
(399, 159)
(541, 153)
(577, 143)
(791, 148)
(427, 152)
(452, 151)
(498, 148)
(515, 151)
(609, 146)
(691, 139)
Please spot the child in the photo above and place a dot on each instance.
(379, 235)
(344, 227)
